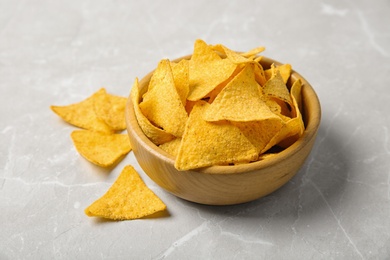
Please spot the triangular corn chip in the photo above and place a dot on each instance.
(240, 100)
(203, 52)
(155, 134)
(206, 143)
(162, 104)
(204, 77)
(110, 109)
(260, 133)
(207, 71)
(83, 115)
(171, 147)
(275, 87)
(128, 198)
(180, 73)
(284, 69)
(295, 92)
(100, 148)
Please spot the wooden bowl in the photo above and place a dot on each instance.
(226, 185)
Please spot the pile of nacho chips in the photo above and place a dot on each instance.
(102, 116)
(220, 107)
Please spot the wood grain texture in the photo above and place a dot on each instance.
(227, 185)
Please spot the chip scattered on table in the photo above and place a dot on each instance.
(127, 199)
(82, 114)
(110, 109)
(102, 149)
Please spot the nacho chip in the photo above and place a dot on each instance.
(155, 134)
(260, 133)
(110, 109)
(172, 147)
(204, 77)
(275, 87)
(240, 100)
(206, 143)
(296, 94)
(83, 115)
(128, 198)
(180, 73)
(284, 69)
(293, 127)
(100, 148)
(253, 52)
(207, 71)
(259, 74)
(203, 52)
(238, 58)
(162, 104)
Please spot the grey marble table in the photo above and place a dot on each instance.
(59, 52)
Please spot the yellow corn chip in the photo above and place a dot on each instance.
(155, 134)
(203, 52)
(277, 106)
(206, 143)
(110, 109)
(259, 74)
(293, 127)
(260, 133)
(207, 71)
(275, 87)
(204, 77)
(238, 58)
(295, 92)
(214, 93)
(100, 148)
(253, 52)
(162, 104)
(171, 147)
(181, 78)
(285, 72)
(240, 100)
(128, 198)
(83, 115)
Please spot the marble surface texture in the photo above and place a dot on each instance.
(59, 52)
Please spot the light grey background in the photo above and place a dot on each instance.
(60, 52)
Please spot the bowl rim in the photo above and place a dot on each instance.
(311, 127)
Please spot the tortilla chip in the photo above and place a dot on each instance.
(83, 115)
(204, 77)
(275, 87)
(206, 143)
(259, 74)
(180, 73)
(240, 100)
(284, 69)
(128, 198)
(162, 104)
(295, 92)
(155, 134)
(110, 109)
(260, 133)
(100, 148)
(172, 147)
(203, 52)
